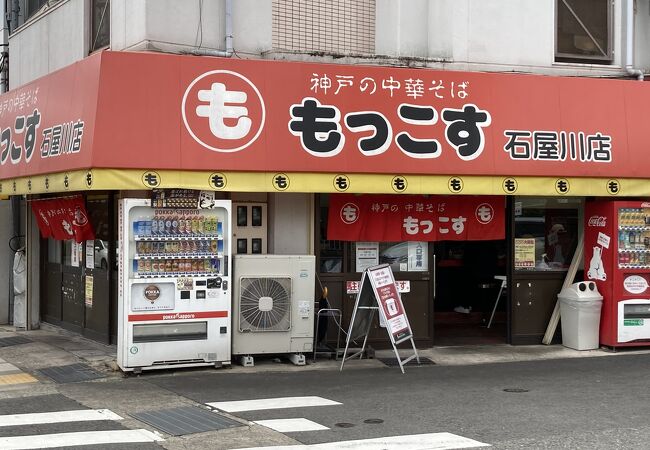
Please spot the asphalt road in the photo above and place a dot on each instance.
(591, 403)
(579, 403)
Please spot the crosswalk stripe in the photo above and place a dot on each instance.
(6, 368)
(79, 439)
(291, 425)
(272, 403)
(428, 441)
(81, 415)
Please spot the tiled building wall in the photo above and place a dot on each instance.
(333, 26)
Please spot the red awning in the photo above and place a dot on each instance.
(63, 218)
(177, 112)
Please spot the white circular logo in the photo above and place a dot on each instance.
(223, 111)
(484, 213)
(350, 213)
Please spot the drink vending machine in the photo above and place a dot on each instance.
(174, 286)
(617, 258)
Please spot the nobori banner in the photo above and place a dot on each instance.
(169, 112)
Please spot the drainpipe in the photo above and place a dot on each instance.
(629, 42)
(229, 48)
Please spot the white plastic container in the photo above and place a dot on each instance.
(580, 306)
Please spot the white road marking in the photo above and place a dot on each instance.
(6, 367)
(272, 403)
(291, 425)
(77, 439)
(81, 415)
(429, 441)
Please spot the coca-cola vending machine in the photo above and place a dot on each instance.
(617, 258)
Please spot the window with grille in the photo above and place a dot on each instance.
(584, 31)
(332, 26)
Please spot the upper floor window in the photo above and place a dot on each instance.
(584, 31)
(32, 7)
(342, 26)
(101, 21)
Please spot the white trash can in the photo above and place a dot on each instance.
(580, 306)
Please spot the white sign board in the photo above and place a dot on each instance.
(367, 255)
(90, 254)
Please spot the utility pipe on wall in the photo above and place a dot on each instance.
(229, 47)
(629, 42)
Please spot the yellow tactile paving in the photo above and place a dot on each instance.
(17, 378)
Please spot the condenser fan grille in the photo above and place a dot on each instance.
(265, 304)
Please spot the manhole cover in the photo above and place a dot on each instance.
(515, 390)
(185, 420)
(373, 421)
(344, 425)
(392, 362)
(14, 340)
(72, 373)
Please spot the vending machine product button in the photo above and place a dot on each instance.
(223, 330)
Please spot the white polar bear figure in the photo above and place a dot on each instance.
(596, 271)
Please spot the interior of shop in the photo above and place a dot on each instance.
(470, 303)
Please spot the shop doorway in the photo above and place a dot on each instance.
(77, 292)
(340, 266)
(466, 291)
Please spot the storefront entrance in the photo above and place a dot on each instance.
(77, 285)
(466, 291)
(448, 287)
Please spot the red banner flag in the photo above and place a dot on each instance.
(395, 218)
(63, 219)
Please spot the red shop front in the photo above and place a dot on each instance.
(436, 145)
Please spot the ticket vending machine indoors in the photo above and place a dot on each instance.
(174, 286)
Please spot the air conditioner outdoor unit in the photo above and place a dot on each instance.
(273, 310)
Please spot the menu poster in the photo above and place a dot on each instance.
(524, 253)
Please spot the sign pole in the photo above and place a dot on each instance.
(364, 312)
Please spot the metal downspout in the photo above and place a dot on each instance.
(629, 42)
(229, 47)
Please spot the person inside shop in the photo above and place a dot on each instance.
(558, 246)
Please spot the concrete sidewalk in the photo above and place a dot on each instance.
(51, 346)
